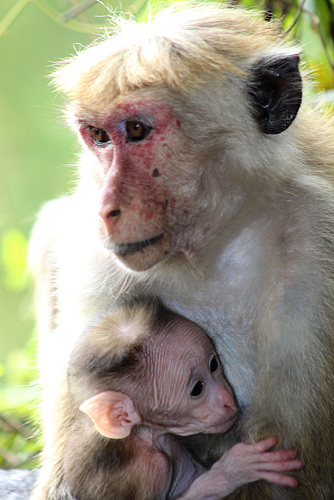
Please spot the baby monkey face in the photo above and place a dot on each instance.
(189, 384)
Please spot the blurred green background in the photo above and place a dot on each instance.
(38, 152)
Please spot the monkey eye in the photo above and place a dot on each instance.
(214, 364)
(100, 136)
(197, 389)
(137, 131)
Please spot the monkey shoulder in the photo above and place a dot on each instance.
(46, 233)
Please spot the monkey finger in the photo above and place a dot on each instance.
(284, 465)
(279, 455)
(264, 445)
(281, 479)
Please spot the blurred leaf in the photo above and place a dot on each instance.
(13, 259)
(19, 446)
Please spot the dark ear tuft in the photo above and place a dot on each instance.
(276, 91)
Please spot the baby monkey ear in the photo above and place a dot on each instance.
(112, 412)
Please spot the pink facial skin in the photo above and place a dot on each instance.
(137, 198)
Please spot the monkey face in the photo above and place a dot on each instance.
(188, 392)
(149, 180)
(211, 405)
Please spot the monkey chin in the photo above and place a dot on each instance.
(143, 255)
(222, 425)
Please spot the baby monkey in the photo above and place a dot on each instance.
(138, 377)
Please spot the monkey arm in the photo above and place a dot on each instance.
(42, 262)
(58, 413)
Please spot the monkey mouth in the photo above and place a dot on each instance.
(121, 250)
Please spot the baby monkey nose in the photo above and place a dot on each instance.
(227, 399)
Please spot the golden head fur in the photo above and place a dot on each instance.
(203, 40)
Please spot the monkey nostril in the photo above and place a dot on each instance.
(114, 213)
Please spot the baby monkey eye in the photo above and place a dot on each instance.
(214, 364)
(197, 389)
(99, 135)
(137, 131)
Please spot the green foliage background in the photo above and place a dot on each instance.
(38, 150)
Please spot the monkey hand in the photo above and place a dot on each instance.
(245, 463)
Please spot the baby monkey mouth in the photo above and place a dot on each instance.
(127, 248)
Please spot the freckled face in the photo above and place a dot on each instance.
(146, 177)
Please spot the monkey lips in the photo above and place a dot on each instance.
(142, 255)
(126, 248)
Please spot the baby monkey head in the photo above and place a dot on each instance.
(143, 364)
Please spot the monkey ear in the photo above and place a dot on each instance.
(112, 412)
(276, 91)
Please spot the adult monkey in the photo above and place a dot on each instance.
(200, 183)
